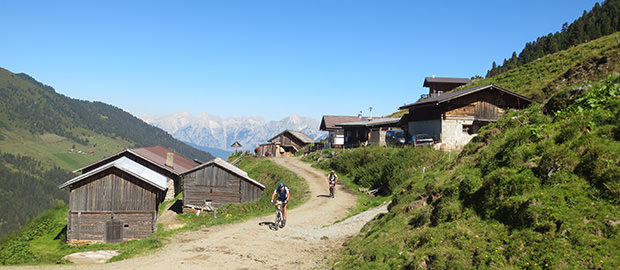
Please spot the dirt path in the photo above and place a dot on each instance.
(307, 239)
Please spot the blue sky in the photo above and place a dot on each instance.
(265, 58)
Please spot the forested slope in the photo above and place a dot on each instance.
(44, 135)
(27, 189)
(603, 19)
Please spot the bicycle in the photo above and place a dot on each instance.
(332, 189)
(279, 222)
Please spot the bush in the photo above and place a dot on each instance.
(383, 168)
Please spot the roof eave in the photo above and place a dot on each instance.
(103, 168)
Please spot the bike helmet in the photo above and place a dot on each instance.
(280, 184)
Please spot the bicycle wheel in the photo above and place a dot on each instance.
(276, 224)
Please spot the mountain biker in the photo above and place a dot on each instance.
(283, 196)
(332, 178)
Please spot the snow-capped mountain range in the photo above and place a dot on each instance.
(213, 133)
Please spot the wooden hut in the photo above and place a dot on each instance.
(114, 202)
(157, 158)
(454, 118)
(288, 143)
(217, 183)
(440, 85)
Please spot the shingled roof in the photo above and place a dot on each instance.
(457, 94)
(156, 155)
(429, 80)
(297, 134)
(330, 122)
(371, 123)
(229, 167)
(129, 166)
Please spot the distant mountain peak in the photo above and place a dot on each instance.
(211, 131)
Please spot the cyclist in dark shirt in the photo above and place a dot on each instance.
(332, 178)
(283, 196)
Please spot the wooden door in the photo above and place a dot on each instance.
(113, 231)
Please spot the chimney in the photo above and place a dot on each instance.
(370, 116)
(359, 115)
(170, 160)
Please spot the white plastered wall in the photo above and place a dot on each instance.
(452, 135)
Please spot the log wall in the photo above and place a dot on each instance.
(215, 184)
(113, 190)
(112, 195)
(90, 227)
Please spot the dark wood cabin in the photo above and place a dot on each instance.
(439, 85)
(289, 142)
(216, 183)
(454, 118)
(267, 149)
(157, 158)
(114, 202)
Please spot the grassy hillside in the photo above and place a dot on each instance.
(535, 190)
(59, 134)
(37, 121)
(542, 78)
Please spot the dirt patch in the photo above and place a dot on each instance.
(169, 218)
(593, 69)
(99, 256)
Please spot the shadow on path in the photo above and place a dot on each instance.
(272, 225)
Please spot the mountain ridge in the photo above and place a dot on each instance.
(212, 131)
